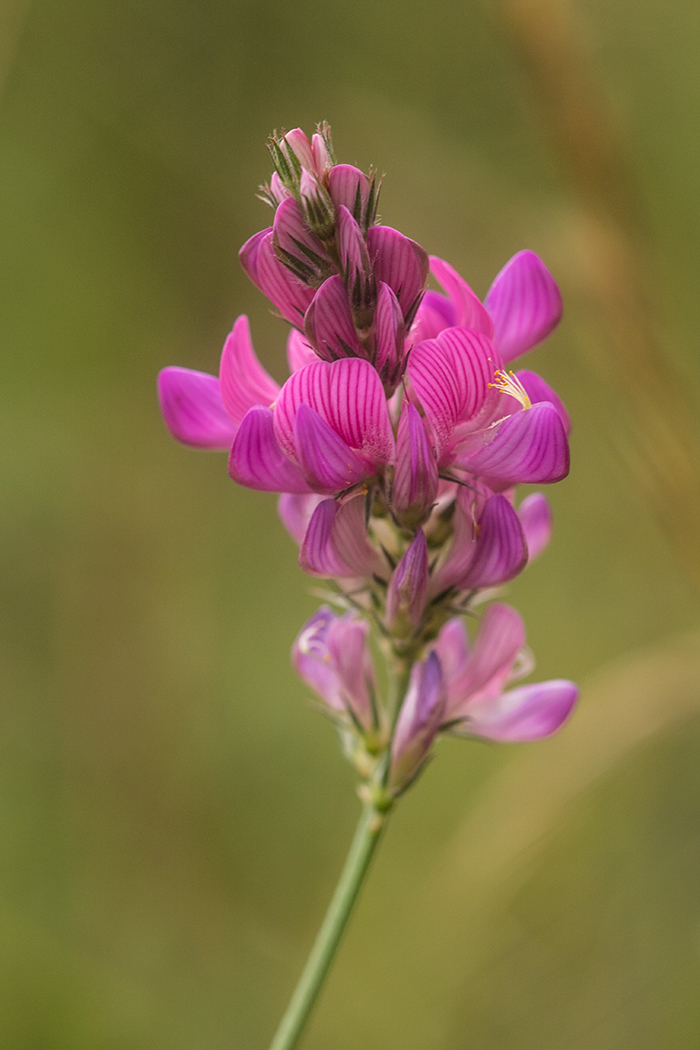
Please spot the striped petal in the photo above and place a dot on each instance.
(528, 447)
(500, 550)
(487, 669)
(469, 310)
(336, 542)
(349, 395)
(328, 463)
(244, 382)
(538, 390)
(256, 459)
(295, 510)
(402, 264)
(525, 304)
(434, 313)
(451, 376)
(328, 323)
(282, 288)
(193, 410)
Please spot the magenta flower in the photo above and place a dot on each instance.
(421, 715)
(476, 677)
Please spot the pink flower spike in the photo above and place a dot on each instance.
(500, 551)
(244, 382)
(451, 375)
(402, 264)
(299, 353)
(525, 304)
(336, 541)
(408, 588)
(536, 519)
(282, 288)
(531, 712)
(349, 395)
(484, 671)
(415, 471)
(418, 723)
(350, 188)
(193, 410)
(328, 323)
(256, 459)
(529, 447)
(469, 310)
(295, 510)
(538, 390)
(297, 247)
(329, 465)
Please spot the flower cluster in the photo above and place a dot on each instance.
(396, 444)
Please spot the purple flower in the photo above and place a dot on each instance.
(331, 654)
(408, 589)
(418, 723)
(476, 677)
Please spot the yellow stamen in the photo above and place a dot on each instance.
(508, 383)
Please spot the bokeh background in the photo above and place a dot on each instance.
(172, 815)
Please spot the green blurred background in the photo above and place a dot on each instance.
(172, 814)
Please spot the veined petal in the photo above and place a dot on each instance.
(528, 447)
(299, 353)
(256, 459)
(408, 587)
(434, 313)
(295, 510)
(402, 264)
(349, 395)
(296, 246)
(415, 471)
(329, 464)
(193, 410)
(390, 335)
(243, 380)
(336, 542)
(500, 550)
(328, 323)
(488, 667)
(538, 390)
(282, 288)
(531, 712)
(450, 375)
(536, 519)
(348, 646)
(349, 187)
(525, 304)
(469, 310)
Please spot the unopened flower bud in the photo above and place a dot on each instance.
(357, 271)
(316, 206)
(297, 247)
(418, 723)
(415, 473)
(359, 193)
(408, 589)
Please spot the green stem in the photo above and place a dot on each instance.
(358, 860)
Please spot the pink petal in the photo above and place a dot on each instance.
(402, 264)
(469, 310)
(349, 395)
(390, 336)
(531, 712)
(408, 586)
(282, 288)
(322, 161)
(348, 647)
(329, 465)
(193, 410)
(536, 519)
(349, 187)
(500, 549)
(415, 471)
(336, 542)
(298, 142)
(418, 722)
(328, 323)
(299, 353)
(295, 510)
(256, 459)
(528, 447)
(452, 646)
(450, 375)
(525, 304)
(244, 382)
(298, 246)
(311, 659)
(488, 667)
(434, 313)
(538, 390)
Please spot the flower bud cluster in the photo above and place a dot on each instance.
(397, 443)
